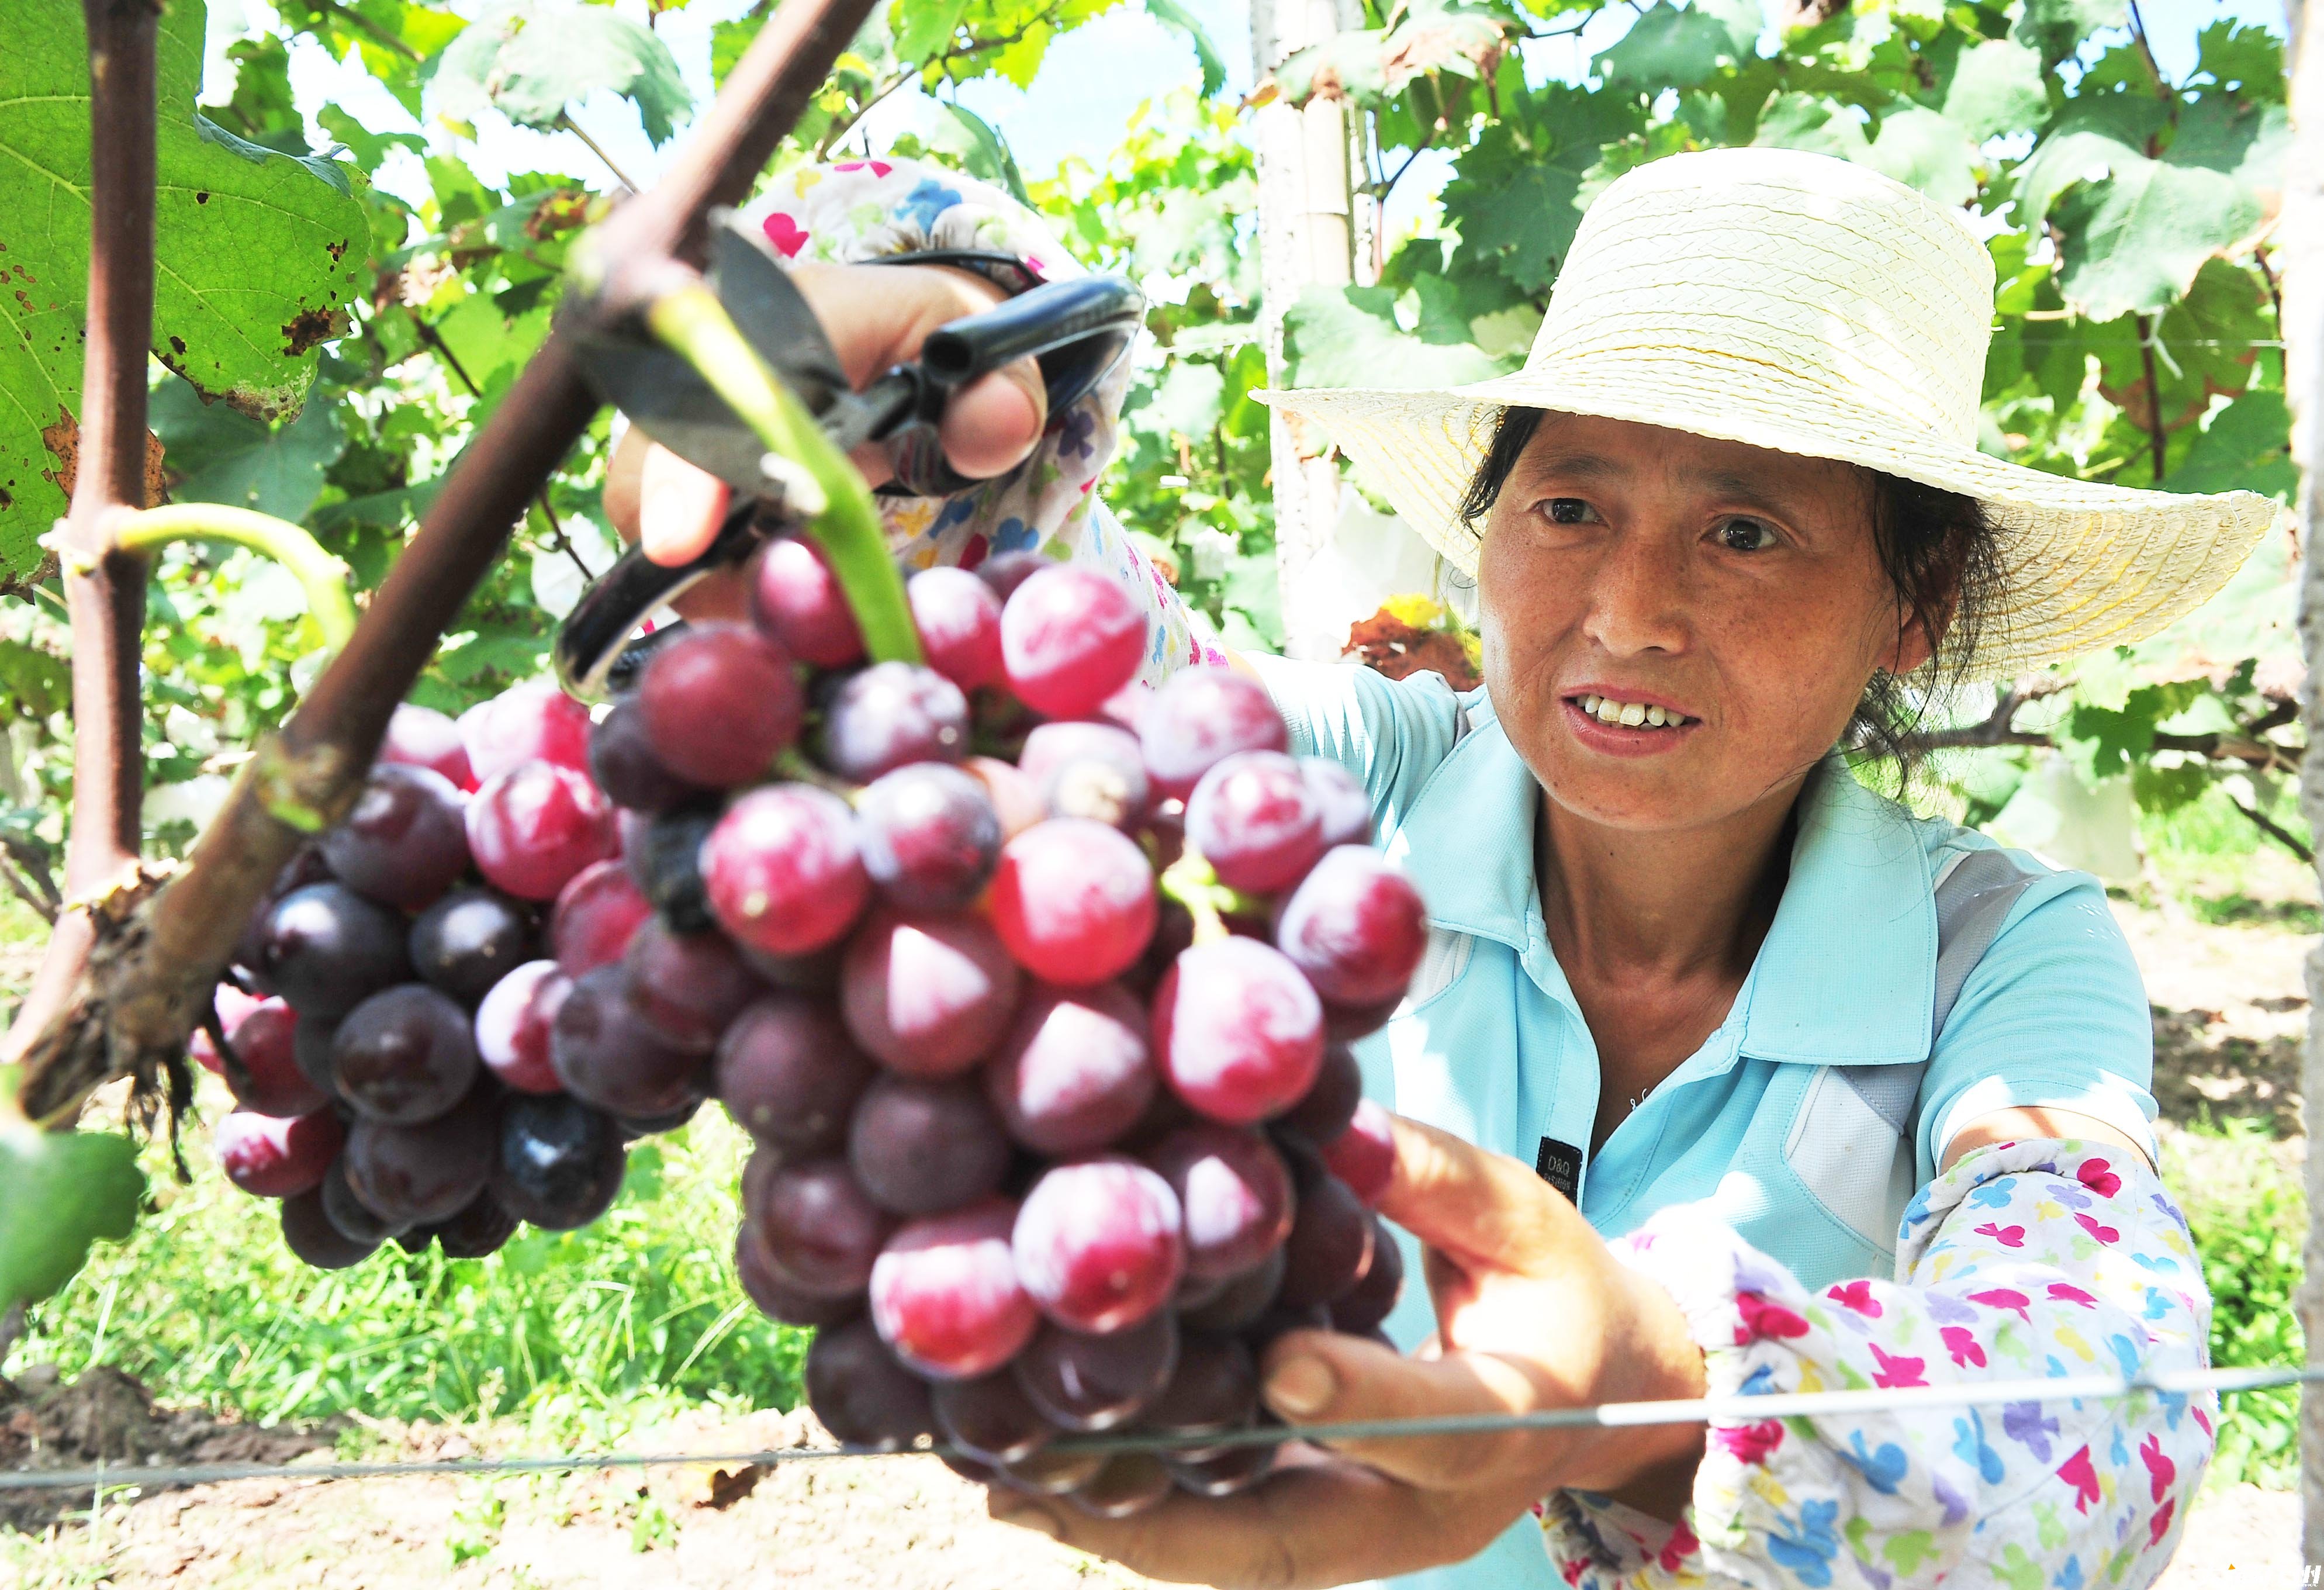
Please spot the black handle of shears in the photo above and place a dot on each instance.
(1074, 329)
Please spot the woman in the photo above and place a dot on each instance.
(1724, 1075)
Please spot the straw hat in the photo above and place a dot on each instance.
(1806, 304)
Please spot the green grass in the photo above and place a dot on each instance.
(2244, 1205)
(2226, 871)
(581, 1335)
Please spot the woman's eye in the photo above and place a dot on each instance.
(1746, 535)
(1569, 511)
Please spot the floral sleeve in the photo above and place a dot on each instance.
(2025, 1260)
(862, 209)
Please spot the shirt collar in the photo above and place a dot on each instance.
(1844, 977)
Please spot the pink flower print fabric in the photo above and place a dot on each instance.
(862, 209)
(2024, 1260)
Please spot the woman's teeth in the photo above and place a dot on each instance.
(1630, 714)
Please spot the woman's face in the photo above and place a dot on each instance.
(1735, 590)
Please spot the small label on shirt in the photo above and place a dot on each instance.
(1560, 1165)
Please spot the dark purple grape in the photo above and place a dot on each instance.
(929, 837)
(1325, 1110)
(666, 864)
(1052, 1472)
(1214, 1388)
(990, 1418)
(1088, 770)
(621, 759)
(347, 1214)
(405, 840)
(1224, 1472)
(1330, 1246)
(310, 1049)
(1087, 1383)
(326, 949)
(1241, 1302)
(891, 714)
(719, 704)
(820, 1231)
(413, 1175)
(479, 1229)
(560, 1161)
(404, 1056)
(1074, 1074)
(607, 1056)
(789, 1074)
(1281, 1318)
(314, 1241)
(1129, 1483)
(817, 972)
(633, 1127)
(1234, 1195)
(469, 941)
(1372, 1299)
(777, 1298)
(688, 986)
(863, 1396)
(921, 1147)
(928, 995)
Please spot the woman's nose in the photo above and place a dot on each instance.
(1637, 597)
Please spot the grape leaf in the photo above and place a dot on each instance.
(251, 248)
(1517, 199)
(925, 27)
(529, 60)
(1347, 336)
(1370, 66)
(1188, 401)
(1670, 48)
(34, 683)
(221, 455)
(1995, 88)
(2056, 27)
(2244, 448)
(2245, 58)
(1184, 22)
(2132, 241)
(978, 147)
(62, 1191)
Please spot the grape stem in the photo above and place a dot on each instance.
(324, 577)
(692, 323)
(1192, 881)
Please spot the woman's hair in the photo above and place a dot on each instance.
(1939, 550)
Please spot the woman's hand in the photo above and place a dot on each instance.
(1533, 1312)
(876, 316)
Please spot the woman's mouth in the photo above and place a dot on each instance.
(1629, 714)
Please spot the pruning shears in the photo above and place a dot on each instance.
(1075, 329)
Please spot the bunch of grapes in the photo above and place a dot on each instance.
(387, 1026)
(1033, 988)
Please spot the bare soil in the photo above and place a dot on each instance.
(2229, 1006)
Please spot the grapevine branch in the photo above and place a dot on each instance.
(128, 977)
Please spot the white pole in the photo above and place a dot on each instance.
(2301, 235)
(1305, 238)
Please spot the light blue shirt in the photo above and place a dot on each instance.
(1760, 1122)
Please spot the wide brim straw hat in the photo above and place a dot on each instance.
(1809, 305)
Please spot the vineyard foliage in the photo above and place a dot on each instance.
(324, 348)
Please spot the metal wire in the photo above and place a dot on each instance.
(1604, 1415)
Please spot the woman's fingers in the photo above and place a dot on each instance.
(679, 507)
(1319, 1377)
(1315, 1524)
(994, 423)
(1481, 1208)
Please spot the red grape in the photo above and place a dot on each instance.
(621, 759)
(1325, 1110)
(922, 1148)
(346, 1213)
(1200, 717)
(230, 1004)
(314, 1241)
(797, 601)
(1074, 1073)
(1089, 770)
(688, 986)
(1373, 1298)
(782, 869)
(274, 1156)
(1086, 1383)
(989, 1417)
(959, 620)
(468, 941)
(607, 1056)
(776, 1297)
(790, 1076)
(928, 995)
(560, 1161)
(1346, 810)
(891, 714)
(1364, 1154)
(928, 835)
(1006, 572)
(1069, 638)
(1073, 899)
(1015, 801)
(1234, 1195)
(719, 703)
(1129, 1483)
(326, 949)
(1214, 1388)
(404, 1056)
(821, 1232)
(861, 1394)
(404, 841)
(268, 1079)
(1356, 927)
(414, 1175)
(1330, 1246)
(1099, 1243)
(944, 1294)
(421, 737)
(533, 826)
(596, 916)
(1238, 1031)
(535, 722)
(1346, 1023)
(514, 1025)
(1255, 823)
